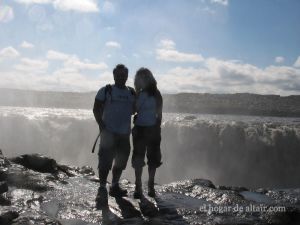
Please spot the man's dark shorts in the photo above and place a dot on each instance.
(146, 141)
(113, 147)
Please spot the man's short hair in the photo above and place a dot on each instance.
(120, 69)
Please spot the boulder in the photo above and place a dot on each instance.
(36, 162)
(8, 217)
(3, 187)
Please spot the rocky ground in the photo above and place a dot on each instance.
(37, 190)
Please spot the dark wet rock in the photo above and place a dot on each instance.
(62, 194)
(291, 216)
(20, 177)
(40, 220)
(237, 189)
(203, 182)
(87, 170)
(190, 118)
(36, 162)
(3, 187)
(8, 217)
(4, 200)
(188, 185)
(3, 174)
(261, 190)
(287, 196)
(69, 170)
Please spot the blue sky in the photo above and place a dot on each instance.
(217, 46)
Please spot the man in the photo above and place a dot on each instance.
(113, 108)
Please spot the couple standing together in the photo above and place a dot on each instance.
(113, 108)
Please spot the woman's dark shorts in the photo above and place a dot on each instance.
(146, 141)
(113, 147)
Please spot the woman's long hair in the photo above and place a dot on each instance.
(145, 81)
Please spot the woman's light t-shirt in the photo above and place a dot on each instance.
(146, 110)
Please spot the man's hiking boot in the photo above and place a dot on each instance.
(138, 192)
(102, 198)
(151, 191)
(117, 192)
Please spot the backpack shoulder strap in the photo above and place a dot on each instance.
(132, 91)
(107, 90)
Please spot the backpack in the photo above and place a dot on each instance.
(108, 90)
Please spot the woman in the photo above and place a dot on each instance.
(146, 132)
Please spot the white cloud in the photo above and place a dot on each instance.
(167, 52)
(72, 74)
(216, 75)
(220, 76)
(26, 44)
(221, 2)
(34, 1)
(108, 7)
(9, 53)
(55, 55)
(72, 62)
(75, 81)
(211, 75)
(6, 13)
(297, 63)
(32, 65)
(76, 5)
(110, 28)
(59, 80)
(45, 27)
(75, 63)
(113, 44)
(175, 56)
(67, 5)
(136, 55)
(167, 44)
(279, 59)
(208, 10)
